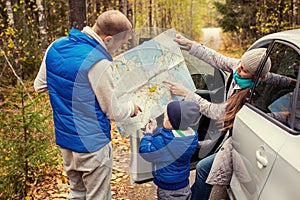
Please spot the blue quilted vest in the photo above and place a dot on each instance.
(80, 124)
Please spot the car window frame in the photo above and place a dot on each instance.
(294, 102)
(271, 45)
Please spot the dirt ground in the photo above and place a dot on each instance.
(56, 187)
(125, 190)
(122, 188)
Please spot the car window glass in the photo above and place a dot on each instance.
(209, 81)
(273, 97)
(199, 70)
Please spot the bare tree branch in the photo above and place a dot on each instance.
(14, 72)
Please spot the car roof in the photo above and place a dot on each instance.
(291, 36)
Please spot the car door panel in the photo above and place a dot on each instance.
(263, 141)
(284, 180)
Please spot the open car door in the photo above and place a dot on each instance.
(264, 147)
(210, 84)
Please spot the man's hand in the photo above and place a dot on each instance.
(136, 110)
(183, 42)
(152, 124)
(177, 89)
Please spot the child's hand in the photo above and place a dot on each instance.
(152, 124)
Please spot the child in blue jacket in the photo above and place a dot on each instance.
(170, 149)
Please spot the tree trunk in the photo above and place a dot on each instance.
(10, 14)
(150, 14)
(297, 12)
(14, 44)
(77, 17)
(134, 14)
(42, 22)
(123, 7)
(129, 12)
(191, 21)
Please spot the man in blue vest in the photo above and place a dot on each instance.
(77, 73)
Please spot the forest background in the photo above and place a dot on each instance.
(28, 154)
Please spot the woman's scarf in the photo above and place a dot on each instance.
(242, 82)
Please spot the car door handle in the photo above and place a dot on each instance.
(262, 160)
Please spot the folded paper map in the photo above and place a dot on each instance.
(139, 73)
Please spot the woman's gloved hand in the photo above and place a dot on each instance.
(183, 42)
(177, 89)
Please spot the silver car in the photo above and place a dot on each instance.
(264, 156)
(266, 165)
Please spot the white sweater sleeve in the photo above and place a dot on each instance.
(40, 82)
(214, 58)
(101, 80)
(212, 110)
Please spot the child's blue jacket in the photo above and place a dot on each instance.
(170, 154)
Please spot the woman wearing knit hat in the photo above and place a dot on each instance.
(248, 62)
(170, 149)
(244, 71)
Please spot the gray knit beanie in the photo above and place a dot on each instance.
(183, 114)
(252, 58)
